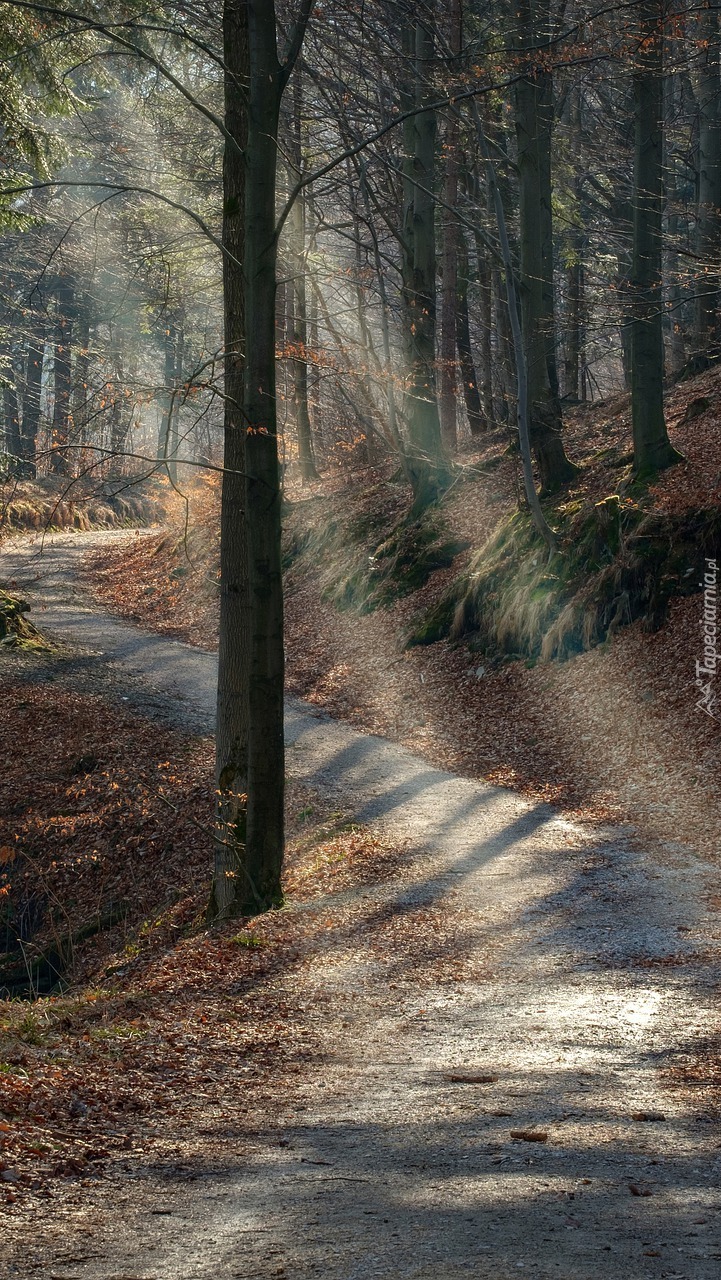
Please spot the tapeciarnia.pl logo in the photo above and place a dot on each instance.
(706, 670)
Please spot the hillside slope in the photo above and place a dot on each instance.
(612, 732)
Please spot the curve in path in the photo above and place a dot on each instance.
(596, 964)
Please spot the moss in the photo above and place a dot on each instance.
(368, 561)
(618, 562)
(433, 625)
(15, 629)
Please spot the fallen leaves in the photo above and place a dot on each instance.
(162, 1014)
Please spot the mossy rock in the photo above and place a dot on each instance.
(15, 629)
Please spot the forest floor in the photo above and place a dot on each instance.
(480, 1039)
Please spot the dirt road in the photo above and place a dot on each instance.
(587, 973)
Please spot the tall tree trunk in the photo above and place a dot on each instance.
(709, 179)
(534, 122)
(485, 348)
(31, 399)
(264, 834)
(230, 888)
(299, 334)
(504, 351)
(673, 274)
(314, 379)
(476, 417)
(168, 434)
(121, 414)
(522, 405)
(387, 372)
(449, 260)
(62, 416)
(13, 440)
(572, 358)
(426, 466)
(574, 325)
(173, 424)
(652, 449)
(82, 373)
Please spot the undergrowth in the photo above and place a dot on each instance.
(618, 561)
(365, 562)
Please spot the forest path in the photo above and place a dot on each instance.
(569, 973)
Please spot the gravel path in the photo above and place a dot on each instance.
(588, 970)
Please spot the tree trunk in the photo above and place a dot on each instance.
(574, 324)
(504, 351)
(572, 360)
(426, 468)
(387, 372)
(264, 835)
(299, 333)
(62, 417)
(82, 372)
(31, 399)
(476, 417)
(522, 404)
(709, 180)
(13, 442)
(652, 449)
(485, 349)
(449, 258)
(173, 425)
(229, 892)
(534, 119)
(314, 380)
(168, 434)
(121, 415)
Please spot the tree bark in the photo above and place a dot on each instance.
(709, 180)
(13, 441)
(229, 891)
(387, 372)
(425, 461)
(522, 405)
(168, 434)
(299, 333)
(82, 372)
(449, 259)
(485, 348)
(477, 420)
(534, 121)
(266, 780)
(504, 351)
(652, 449)
(62, 416)
(31, 399)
